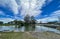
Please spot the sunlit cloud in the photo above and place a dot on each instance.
(31, 7)
(24, 7)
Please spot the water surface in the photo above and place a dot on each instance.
(22, 29)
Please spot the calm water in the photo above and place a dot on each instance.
(22, 29)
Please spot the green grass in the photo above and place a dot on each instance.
(6, 25)
(15, 35)
(29, 35)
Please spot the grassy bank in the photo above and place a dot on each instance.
(6, 24)
(15, 35)
(28, 35)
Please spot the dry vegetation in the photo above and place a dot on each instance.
(29, 35)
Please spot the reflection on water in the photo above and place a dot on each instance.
(42, 29)
(6, 28)
(28, 28)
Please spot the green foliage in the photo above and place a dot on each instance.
(29, 20)
(1, 22)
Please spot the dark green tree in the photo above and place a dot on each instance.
(1, 22)
(27, 20)
(33, 21)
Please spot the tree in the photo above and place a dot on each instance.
(11, 22)
(27, 19)
(40, 22)
(1, 22)
(29, 22)
(33, 21)
(15, 22)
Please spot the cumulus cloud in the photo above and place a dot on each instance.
(31, 7)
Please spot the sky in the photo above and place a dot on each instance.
(42, 10)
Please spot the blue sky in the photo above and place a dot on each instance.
(42, 10)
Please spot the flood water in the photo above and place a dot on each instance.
(23, 28)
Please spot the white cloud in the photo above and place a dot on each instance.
(11, 4)
(5, 20)
(47, 19)
(31, 7)
(18, 2)
(56, 13)
(53, 17)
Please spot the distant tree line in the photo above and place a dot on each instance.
(28, 20)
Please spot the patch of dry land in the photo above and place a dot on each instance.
(29, 35)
